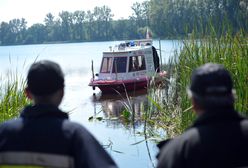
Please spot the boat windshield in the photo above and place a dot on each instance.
(120, 65)
(106, 65)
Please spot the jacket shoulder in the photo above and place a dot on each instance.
(11, 125)
(172, 153)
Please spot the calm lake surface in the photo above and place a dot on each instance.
(79, 101)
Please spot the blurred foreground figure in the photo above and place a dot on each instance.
(219, 136)
(43, 136)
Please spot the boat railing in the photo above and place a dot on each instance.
(140, 42)
(134, 43)
(131, 44)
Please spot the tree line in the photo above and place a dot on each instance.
(165, 19)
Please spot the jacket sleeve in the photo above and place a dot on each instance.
(88, 152)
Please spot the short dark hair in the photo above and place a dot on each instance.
(211, 86)
(44, 78)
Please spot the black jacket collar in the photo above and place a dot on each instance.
(217, 115)
(42, 110)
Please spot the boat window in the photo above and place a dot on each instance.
(120, 65)
(106, 64)
(137, 63)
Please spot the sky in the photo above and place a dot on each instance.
(34, 11)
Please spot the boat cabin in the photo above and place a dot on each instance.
(129, 64)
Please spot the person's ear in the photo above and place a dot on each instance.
(197, 109)
(59, 96)
(194, 104)
(28, 94)
(62, 93)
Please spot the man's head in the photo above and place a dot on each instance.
(211, 87)
(45, 82)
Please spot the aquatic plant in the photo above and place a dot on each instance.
(169, 107)
(228, 49)
(162, 111)
(12, 96)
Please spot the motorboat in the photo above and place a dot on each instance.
(128, 66)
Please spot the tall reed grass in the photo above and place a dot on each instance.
(12, 97)
(175, 113)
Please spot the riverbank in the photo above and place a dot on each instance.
(175, 110)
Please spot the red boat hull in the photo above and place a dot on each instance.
(114, 86)
(119, 85)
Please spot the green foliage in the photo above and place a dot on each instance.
(177, 18)
(95, 25)
(165, 18)
(126, 114)
(12, 97)
(163, 111)
(229, 50)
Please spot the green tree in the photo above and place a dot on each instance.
(102, 19)
(36, 34)
(18, 28)
(107, 19)
(159, 15)
(90, 28)
(49, 24)
(79, 19)
(7, 37)
(165, 18)
(66, 25)
(140, 17)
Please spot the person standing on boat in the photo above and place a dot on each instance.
(219, 136)
(43, 136)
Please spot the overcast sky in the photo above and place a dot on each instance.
(34, 11)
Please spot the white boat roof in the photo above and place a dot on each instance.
(141, 41)
(132, 45)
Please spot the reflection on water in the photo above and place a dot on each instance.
(122, 109)
(113, 107)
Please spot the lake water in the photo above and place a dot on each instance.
(75, 60)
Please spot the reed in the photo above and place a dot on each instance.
(229, 50)
(12, 97)
(175, 110)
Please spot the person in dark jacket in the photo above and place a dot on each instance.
(43, 136)
(219, 136)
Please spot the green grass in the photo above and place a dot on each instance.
(231, 51)
(12, 97)
(175, 109)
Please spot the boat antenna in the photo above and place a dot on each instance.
(92, 70)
